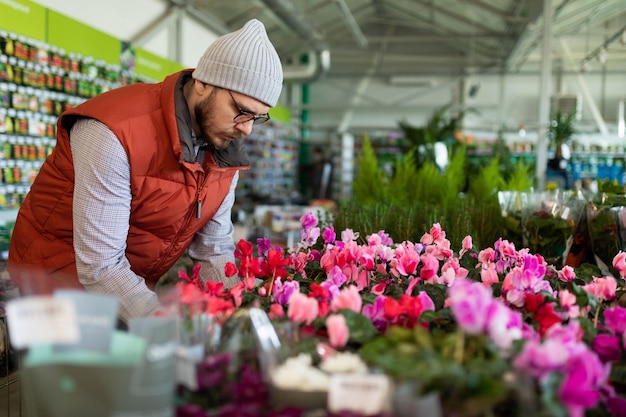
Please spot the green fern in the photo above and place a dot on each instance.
(520, 178)
(370, 183)
(484, 186)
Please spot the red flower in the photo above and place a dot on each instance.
(243, 249)
(230, 269)
(546, 318)
(532, 301)
(406, 310)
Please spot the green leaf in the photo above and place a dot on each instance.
(361, 328)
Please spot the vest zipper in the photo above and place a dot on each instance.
(198, 209)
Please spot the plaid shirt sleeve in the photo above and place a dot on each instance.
(102, 201)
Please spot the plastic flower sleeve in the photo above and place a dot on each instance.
(511, 209)
(549, 221)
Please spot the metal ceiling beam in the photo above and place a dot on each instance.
(518, 52)
(149, 31)
(456, 16)
(201, 16)
(462, 45)
(351, 23)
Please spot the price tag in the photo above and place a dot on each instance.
(367, 394)
(42, 319)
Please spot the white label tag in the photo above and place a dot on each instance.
(41, 319)
(362, 393)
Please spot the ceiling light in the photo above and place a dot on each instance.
(411, 80)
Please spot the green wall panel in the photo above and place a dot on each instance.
(153, 66)
(77, 37)
(281, 114)
(24, 18)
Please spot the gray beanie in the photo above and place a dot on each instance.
(244, 61)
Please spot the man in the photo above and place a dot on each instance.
(142, 173)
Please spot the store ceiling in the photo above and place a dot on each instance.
(395, 39)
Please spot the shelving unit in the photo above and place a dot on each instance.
(273, 152)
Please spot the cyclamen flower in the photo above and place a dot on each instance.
(375, 312)
(302, 308)
(334, 281)
(308, 220)
(466, 245)
(619, 263)
(503, 325)
(348, 298)
(329, 235)
(608, 347)
(469, 302)
(349, 235)
(489, 275)
(584, 378)
(615, 319)
(567, 274)
(405, 259)
(338, 332)
(282, 292)
(603, 288)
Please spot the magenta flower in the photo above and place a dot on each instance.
(581, 388)
(308, 220)
(608, 347)
(376, 312)
(615, 319)
(329, 235)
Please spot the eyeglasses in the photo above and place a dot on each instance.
(245, 117)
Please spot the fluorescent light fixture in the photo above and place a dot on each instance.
(411, 80)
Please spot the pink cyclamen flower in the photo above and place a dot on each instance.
(302, 308)
(619, 263)
(308, 220)
(603, 288)
(503, 324)
(348, 298)
(489, 275)
(430, 266)
(469, 302)
(567, 274)
(338, 332)
(282, 292)
(466, 246)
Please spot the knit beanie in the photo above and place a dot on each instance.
(244, 61)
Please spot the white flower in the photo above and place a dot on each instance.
(298, 373)
(343, 362)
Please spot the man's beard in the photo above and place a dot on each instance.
(204, 112)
